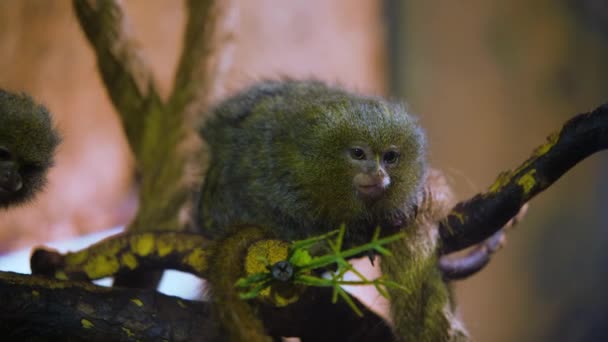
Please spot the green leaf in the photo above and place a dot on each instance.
(350, 302)
(252, 279)
(312, 281)
(300, 257)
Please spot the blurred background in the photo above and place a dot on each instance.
(488, 79)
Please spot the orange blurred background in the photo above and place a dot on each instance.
(488, 79)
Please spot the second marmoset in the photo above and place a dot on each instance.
(28, 141)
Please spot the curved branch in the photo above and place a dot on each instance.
(34, 306)
(457, 268)
(128, 80)
(476, 219)
(60, 311)
(125, 253)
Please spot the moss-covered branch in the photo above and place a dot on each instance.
(161, 134)
(251, 255)
(41, 309)
(57, 310)
(128, 80)
(205, 54)
(125, 253)
(472, 221)
(284, 309)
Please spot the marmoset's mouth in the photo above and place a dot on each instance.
(369, 186)
(372, 190)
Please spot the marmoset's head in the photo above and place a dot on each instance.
(362, 156)
(27, 145)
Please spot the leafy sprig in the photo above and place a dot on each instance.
(302, 264)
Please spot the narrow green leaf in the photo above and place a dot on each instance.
(350, 302)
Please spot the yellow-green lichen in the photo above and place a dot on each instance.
(101, 266)
(270, 251)
(527, 181)
(143, 244)
(538, 152)
(179, 242)
(459, 216)
(503, 179)
(197, 259)
(129, 260)
(109, 247)
(137, 302)
(61, 275)
(86, 323)
(35, 293)
(128, 332)
(76, 258)
(280, 298)
(546, 147)
(261, 254)
(164, 247)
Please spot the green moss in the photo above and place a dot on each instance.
(527, 181)
(128, 332)
(76, 258)
(61, 275)
(263, 253)
(546, 147)
(198, 260)
(101, 266)
(86, 323)
(129, 260)
(137, 302)
(503, 179)
(164, 247)
(143, 244)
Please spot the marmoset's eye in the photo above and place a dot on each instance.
(357, 153)
(391, 157)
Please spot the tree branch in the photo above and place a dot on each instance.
(476, 219)
(125, 253)
(206, 53)
(192, 253)
(128, 80)
(34, 307)
(457, 268)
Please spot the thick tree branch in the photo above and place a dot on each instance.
(128, 80)
(192, 253)
(35, 307)
(476, 219)
(58, 310)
